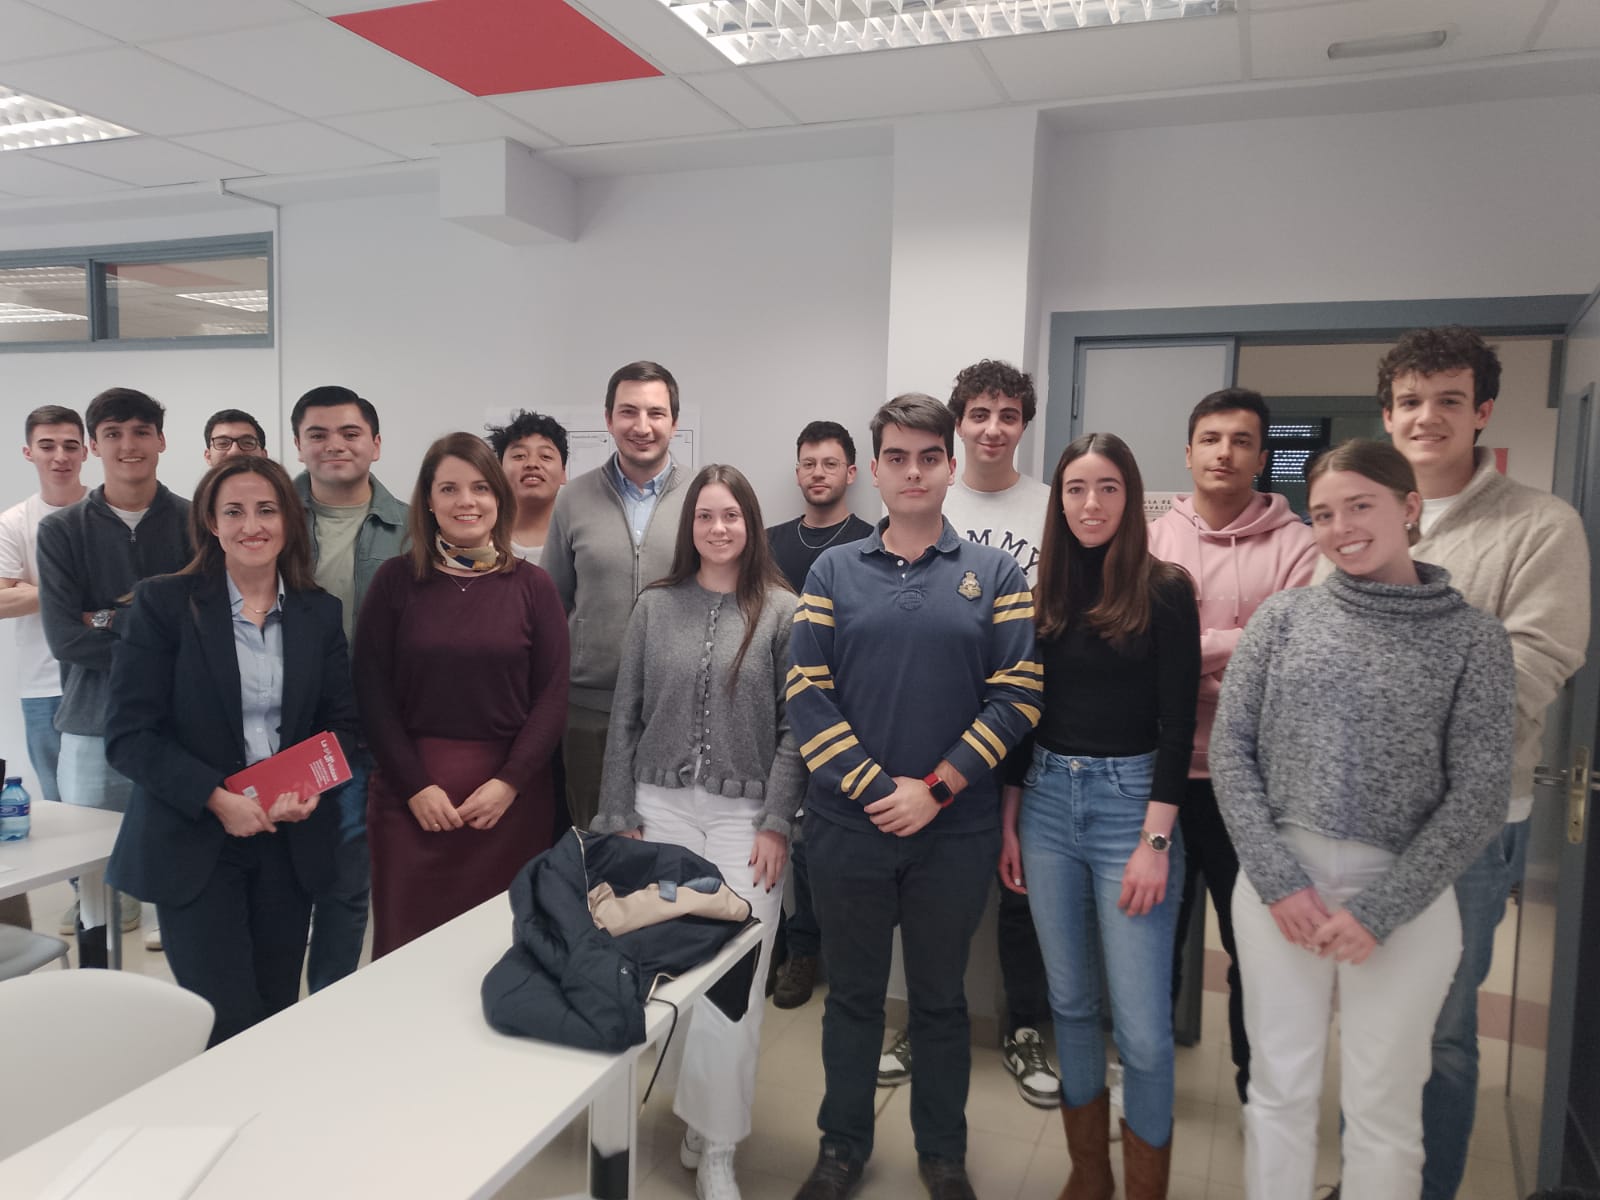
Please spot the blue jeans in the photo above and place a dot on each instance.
(44, 741)
(934, 886)
(339, 916)
(1080, 822)
(1450, 1099)
(87, 779)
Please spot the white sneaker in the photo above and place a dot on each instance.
(152, 937)
(714, 1180)
(1116, 1102)
(690, 1150)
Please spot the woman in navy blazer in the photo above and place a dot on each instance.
(234, 658)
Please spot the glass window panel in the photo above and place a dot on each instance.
(188, 298)
(44, 304)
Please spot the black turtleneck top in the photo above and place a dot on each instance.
(1106, 700)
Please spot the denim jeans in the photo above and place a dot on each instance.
(1080, 823)
(1450, 1099)
(339, 916)
(934, 887)
(802, 938)
(44, 741)
(87, 779)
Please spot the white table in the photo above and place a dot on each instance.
(390, 1083)
(65, 840)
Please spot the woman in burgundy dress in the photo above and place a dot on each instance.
(461, 676)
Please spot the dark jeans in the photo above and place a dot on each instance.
(241, 942)
(934, 887)
(583, 751)
(1209, 851)
(339, 922)
(802, 938)
(1021, 966)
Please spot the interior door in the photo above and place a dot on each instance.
(1553, 1089)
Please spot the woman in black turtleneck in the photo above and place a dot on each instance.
(1091, 833)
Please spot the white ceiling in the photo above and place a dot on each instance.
(277, 100)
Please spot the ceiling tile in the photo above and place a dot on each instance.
(145, 162)
(313, 68)
(24, 175)
(30, 33)
(334, 8)
(653, 31)
(730, 91)
(290, 149)
(632, 110)
(491, 47)
(146, 20)
(1117, 60)
(1574, 25)
(418, 132)
(133, 89)
(889, 83)
(1293, 44)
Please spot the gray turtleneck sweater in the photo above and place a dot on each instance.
(1367, 712)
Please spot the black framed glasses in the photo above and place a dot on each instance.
(247, 443)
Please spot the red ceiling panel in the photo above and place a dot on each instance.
(490, 47)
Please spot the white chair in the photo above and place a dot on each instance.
(77, 1040)
(22, 951)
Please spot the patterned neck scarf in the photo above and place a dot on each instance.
(468, 558)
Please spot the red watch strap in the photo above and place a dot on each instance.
(940, 789)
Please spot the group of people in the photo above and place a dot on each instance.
(1000, 675)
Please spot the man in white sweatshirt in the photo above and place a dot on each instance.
(1520, 554)
(1239, 546)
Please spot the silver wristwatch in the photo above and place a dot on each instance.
(1159, 842)
(102, 618)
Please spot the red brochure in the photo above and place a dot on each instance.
(309, 768)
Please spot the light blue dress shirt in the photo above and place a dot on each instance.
(638, 502)
(260, 654)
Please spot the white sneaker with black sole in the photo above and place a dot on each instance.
(894, 1064)
(1028, 1060)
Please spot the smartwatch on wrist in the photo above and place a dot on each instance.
(1159, 842)
(940, 789)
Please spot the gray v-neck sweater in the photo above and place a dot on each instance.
(1367, 712)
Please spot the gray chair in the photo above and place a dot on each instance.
(22, 951)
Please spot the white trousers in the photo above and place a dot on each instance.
(717, 1081)
(1387, 1009)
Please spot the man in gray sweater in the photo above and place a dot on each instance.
(612, 532)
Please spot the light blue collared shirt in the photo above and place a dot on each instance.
(638, 502)
(260, 653)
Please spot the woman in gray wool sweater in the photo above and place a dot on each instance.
(700, 755)
(1362, 759)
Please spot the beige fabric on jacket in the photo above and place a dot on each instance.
(637, 910)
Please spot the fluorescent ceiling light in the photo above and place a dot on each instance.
(751, 31)
(1397, 43)
(250, 301)
(27, 122)
(18, 314)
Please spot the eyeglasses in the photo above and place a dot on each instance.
(245, 443)
(830, 465)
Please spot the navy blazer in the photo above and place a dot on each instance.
(176, 728)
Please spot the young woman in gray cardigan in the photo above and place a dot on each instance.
(1362, 757)
(700, 754)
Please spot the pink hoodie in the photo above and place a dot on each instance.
(1265, 550)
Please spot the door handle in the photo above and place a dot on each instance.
(1578, 787)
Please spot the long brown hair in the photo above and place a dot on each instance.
(1123, 610)
(758, 571)
(422, 525)
(294, 560)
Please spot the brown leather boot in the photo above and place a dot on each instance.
(1089, 1145)
(1144, 1167)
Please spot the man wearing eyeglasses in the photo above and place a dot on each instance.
(233, 431)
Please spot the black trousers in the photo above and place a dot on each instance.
(934, 886)
(1209, 851)
(1021, 966)
(241, 943)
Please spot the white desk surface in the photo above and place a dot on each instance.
(66, 840)
(388, 1083)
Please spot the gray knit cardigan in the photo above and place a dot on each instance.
(1368, 712)
(673, 705)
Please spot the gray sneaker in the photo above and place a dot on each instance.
(894, 1064)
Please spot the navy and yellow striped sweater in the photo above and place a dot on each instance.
(897, 665)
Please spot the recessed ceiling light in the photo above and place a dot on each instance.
(247, 301)
(18, 314)
(26, 122)
(1398, 43)
(751, 31)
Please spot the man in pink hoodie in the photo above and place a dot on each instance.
(1239, 546)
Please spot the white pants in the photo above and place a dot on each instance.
(717, 1082)
(1387, 1009)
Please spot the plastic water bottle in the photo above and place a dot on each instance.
(15, 810)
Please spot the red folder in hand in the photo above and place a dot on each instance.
(308, 768)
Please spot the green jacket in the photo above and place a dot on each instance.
(383, 534)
